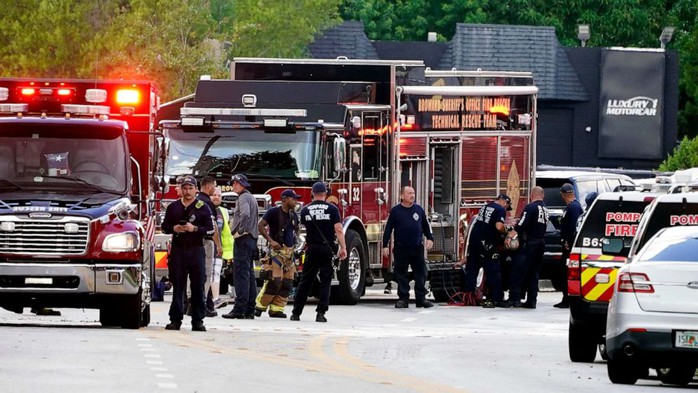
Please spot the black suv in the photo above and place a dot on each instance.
(583, 183)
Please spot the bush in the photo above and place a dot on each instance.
(685, 156)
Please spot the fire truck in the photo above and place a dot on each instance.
(75, 196)
(366, 128)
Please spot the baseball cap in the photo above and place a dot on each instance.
(188, 180)
(506, 198)
(319, 187)
(289, 193)
(242, 179)
(566, 188)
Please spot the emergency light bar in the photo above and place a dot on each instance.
(13, 108)
(242, 112)
(85, 109)
(95, 95)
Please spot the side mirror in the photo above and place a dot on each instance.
(339, 154)
(613, 246)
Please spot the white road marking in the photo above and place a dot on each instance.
(426, 311)
(167, 385)
(158, 369)
(408, 320)
(154, 362)
(153, 355)
(167, 376)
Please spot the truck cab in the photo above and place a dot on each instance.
(74, 206)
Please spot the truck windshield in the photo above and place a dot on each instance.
(284, 156)
(63, 157)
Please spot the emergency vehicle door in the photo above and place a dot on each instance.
(369, 182)
(444, 188)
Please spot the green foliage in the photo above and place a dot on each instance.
(685, 156)
(171, 42)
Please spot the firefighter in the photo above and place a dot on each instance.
(189, 221)
(531, 231)
(409, 222)
(322, 223)
(485, 238)
(280, 267)
(568, 230)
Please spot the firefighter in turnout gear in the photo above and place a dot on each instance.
(279, 269)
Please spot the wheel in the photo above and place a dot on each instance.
(444, 284)
(145, 316)
(131, 312)
(678, 375)
(109, 316)
(352, 274)
(622, 371)
(581, 344)
(440, 296)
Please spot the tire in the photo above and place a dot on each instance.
(145, 316)
(352, 274)
(440, 296)
(678, 375)
(581, 344)
(109, 316)
(131, 312)
(622, 371)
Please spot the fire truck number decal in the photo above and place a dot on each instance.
(355, 194)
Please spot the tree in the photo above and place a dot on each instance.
(684, 156)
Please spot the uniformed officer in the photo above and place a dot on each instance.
(189, 221)
(485, 236)
(531, 231)
(409, 222)
(322, 224)
(568, 230)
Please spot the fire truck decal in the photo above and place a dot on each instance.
(597, 283)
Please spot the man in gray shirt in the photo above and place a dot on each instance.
(244, 229)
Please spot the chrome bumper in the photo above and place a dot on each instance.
(64, 279)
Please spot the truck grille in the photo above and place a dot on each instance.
(64, 236)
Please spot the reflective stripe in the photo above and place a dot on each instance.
(592, 290)
(161, 259)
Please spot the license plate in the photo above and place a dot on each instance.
(38, 280)
(602, 278)
(686, 339)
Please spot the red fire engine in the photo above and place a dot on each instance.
(75, 191)
(366, 128)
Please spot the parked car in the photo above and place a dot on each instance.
(591, 269)
(583, 183)
(652, 315)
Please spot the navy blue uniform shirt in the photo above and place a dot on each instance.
(325, 215)
(282, 226)
(534, 221)
(196, 213)
(410, 226)
(568, 222)
(485, 225)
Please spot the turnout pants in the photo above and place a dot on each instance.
(281, 270)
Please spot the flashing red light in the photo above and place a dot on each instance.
(26, 91)
(64, 92)
(128, 96)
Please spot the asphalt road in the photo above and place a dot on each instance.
(371, 347)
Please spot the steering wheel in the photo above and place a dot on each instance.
(90, 166)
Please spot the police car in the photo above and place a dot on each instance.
(592, 267)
